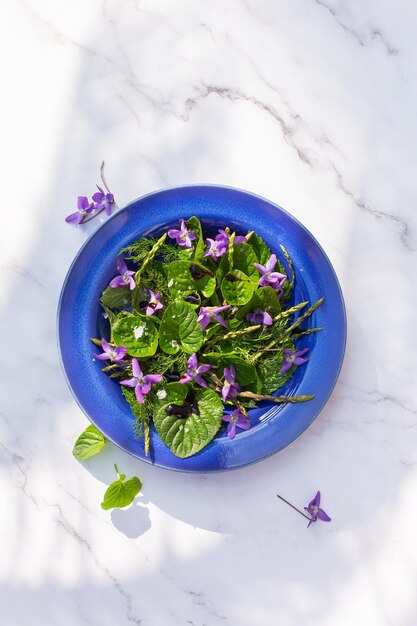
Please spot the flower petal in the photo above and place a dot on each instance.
(102, 357)
(139, 394)
(323, 516)
(231, 430)
(82, 203)
(121, 266)
(153, 379)
(271, 263)
(285, 366)
(200, 381)
(243, 423)
(131, 382)
(118, 281)
(136, 371)
(105, 345)
(192, 361)
(261, 268)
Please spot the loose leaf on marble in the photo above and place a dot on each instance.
(237, 288)
(179, 329)
(122, 492)
(137, 333)
(89, 443)
(186, 436)
(194, 224)
(116, 298)
(182, 281)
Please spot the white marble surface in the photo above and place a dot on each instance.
(311, 103)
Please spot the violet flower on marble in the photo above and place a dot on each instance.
(115, 355)
(230, 387)
(216, 248)
(125, 276)
(207, 313)
(141, 383)
(183, 237)
(154, 303)
(236, 420)
(259, 317)
(292, 358)
(103, 200)
(84, 208)
(269, 278)
(195, 371)
(315, 512)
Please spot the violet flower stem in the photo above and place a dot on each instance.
(102, 177)
(292, 506)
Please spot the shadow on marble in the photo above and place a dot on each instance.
(132, 521)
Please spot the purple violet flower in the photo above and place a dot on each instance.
(224, 237)
(125, 278)
(207, 313)
(184, 236)
(236, 420)
(103, 200)
(269, 278)
(314, 510)
(115, 355)
(292, 358)
(154, 303)
(216, 248)
(259, 317)
(141, 383)
(230, 387)
(195, 371)
(83, 209)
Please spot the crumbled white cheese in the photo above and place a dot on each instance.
(181, 426)
(171, 282)
(138, 331)
(186, 430)
(161, 394)
(174, 343)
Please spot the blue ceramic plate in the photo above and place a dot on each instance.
(80, 315)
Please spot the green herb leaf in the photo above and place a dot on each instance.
(182, 283)
(121, 493)
(244, 258)
(180, 330)
(264, 298)
(116, 298)
(245, 371)
(187, 436)
(194, 224)
(260, 248)
(237, 287)
(269, 373)
(137, 333)
(89, 443)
